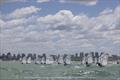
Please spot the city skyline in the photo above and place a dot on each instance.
(60, 26)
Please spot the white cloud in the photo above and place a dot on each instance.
(63, 30)
(8, 1)
(2, 23)
(42, 1)
(11, 1)
(16, 0)
(106, 11)
(85, 2)
(23, 12)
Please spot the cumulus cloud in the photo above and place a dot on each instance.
(23, 12)
(85, 2)
(63, 30)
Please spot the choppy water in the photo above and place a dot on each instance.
(18, 71)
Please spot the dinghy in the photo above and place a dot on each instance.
(87, 60)
(24, 60)
(38, 60)
(49, 60)
(104, 59)
(90, 60)
(28, 61)
(68, 60)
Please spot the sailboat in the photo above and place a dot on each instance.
(49, 60)
(24, 60)
(37, 60)
(90, 60)
(28, 60)
(68, 61)
(104, 59)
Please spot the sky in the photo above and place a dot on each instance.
(59, 26)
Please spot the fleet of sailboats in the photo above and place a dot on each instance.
(88, 59)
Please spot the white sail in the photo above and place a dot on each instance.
(37, 61)
(61, 60)
(68, 61)
(90, 60)
(49, 60)
(24, 60)
(104, 59)
(28, 60)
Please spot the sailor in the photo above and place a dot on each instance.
(118, 62)
(99, 64)
(87, 65)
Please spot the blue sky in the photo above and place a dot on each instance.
(54, 6)
(60, 26)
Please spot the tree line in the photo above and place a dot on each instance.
(95, 56)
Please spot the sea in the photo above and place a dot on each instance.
(11, 70)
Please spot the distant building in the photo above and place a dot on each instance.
(114, 59)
